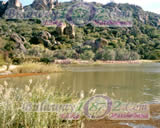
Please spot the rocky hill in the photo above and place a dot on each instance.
(43, 4)
(29, 39)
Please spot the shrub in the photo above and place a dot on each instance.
(87, 55)
(107, 54)
(122, 54)
(155, 55)
(2, 61)
(46, 60)
(18, 57)
(134, 55)
(65, 53)
(9, 46)
(60, 54)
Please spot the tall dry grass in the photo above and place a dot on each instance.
(11, 100)
(37, 68)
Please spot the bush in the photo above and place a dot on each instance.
(105, 54)
(2, 61)
(109, 55)
(65, 53)
(87, 55)
(46, 60)
(134, 55)
(155, 55)
(17, 60)
(18, 57)
(122, 54)
(9, 46)
(60, 54)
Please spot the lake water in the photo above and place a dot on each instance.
(127, 82)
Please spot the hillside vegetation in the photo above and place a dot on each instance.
(141, 41)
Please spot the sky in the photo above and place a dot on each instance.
(147, 5)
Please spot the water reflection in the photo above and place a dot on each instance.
(135, 82)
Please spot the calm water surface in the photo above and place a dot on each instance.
(133, 82)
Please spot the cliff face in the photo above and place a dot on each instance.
(14, 4)
(3, 6)
(137, 12)
(43, 4)
(10, 4)
(37, 4)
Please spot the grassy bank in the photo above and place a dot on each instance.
(37, 68)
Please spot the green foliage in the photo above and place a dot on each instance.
(87, 55)
(18, 57)
(65, 53)
(143, 38)
(9, 46)
(2, 61)
(107, 54)
(122, 54)
(116, 54)
(155, 55)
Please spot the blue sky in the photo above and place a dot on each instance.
(147, 5)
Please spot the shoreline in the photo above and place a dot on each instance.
(9, 73)
(72, 61)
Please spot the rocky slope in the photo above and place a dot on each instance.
(88, 42)
(14, 4)
(43, 4)
(37, 4)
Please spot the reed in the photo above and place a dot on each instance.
(12, 99)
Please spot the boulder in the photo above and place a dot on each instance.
(19, 41)
(46, 39)
(46, 43)
(70, 30)
(90, 43)
(60, 28)
(43, 4)
(101, 42)
(45, 35)
(14, 4)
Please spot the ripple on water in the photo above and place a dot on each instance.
(138, 125)
(156, 99)
(156, 117)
